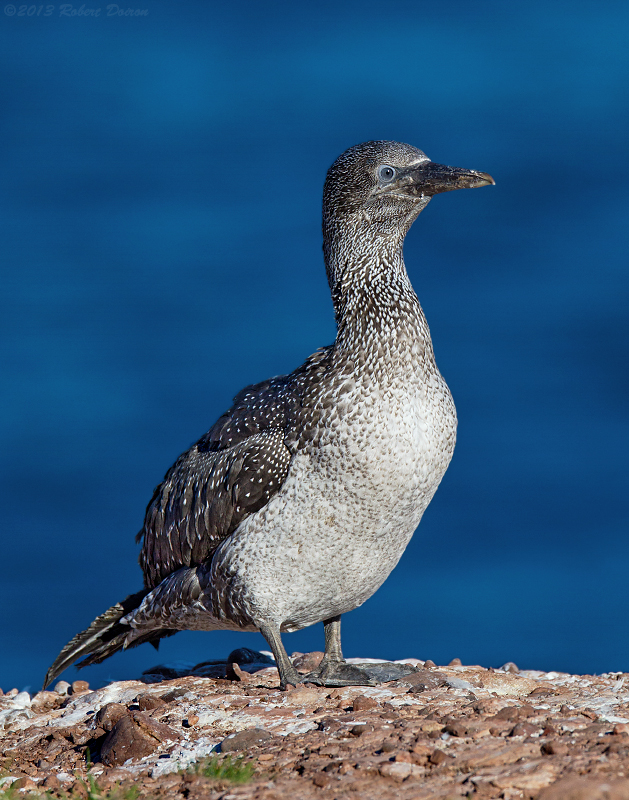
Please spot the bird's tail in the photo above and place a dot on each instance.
(106, 635)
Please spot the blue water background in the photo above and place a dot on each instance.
(160, 187)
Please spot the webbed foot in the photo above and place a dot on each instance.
(337, 674)
(386, 671)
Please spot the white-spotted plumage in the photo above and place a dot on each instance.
(299, 502)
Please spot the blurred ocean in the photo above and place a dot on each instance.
(160, 188)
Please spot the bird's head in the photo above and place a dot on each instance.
(385, 185)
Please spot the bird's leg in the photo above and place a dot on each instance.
(288, 673)
(334, 670)
(332, 631)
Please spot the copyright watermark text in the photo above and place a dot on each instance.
(69, 10)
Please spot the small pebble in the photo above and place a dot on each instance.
(456, 662)
(620, 729)
(22, 699)
(24, 783)
(192, 720)
(306, 662)
(554, 748)
(438, 757)
(243, 740)
(364, 703)
(456, 729)
(429, 664)
(62, 687)
(523, 729)
(147, 702)
(358, 730)
(80, 686)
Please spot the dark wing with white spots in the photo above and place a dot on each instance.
(228, 474)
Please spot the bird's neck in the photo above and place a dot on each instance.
(375, 305)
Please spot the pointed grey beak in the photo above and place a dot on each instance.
(430, 179)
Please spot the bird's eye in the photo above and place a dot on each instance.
(386, 173)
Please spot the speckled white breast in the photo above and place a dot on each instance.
(349, 506)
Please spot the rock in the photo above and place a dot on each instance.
(510, 667)
(244, 656)
(109, 715)
(80, 734)
(358, 730)
(21, 700)
(174, 694)
(399, 770)
(24, 783)
(51, 783)
(243, 740)
(530, 777)
(134, 736)
(148, 702)
(158, 730)
(438, 757)
(329, 724)
(303, 697)
(306, 662)
(126, 740)
(364, 703)
(523, 729)
(80, 687)
(62, 687)
(507, 684)
(163, 671)
(510, 713)
(210, 669)
(555, 747)
(456, 729)
(45, 701)
(424, 679)
(586, 789)
(456, 662)
(493, 755)
(622, 728)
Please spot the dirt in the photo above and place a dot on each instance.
(441, 733)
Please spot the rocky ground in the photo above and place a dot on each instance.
(442, 732)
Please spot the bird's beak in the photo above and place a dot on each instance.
(429, 179)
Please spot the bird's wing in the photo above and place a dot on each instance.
(230, 473)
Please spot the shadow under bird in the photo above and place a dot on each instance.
(300, 500)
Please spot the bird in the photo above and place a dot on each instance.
(300, 500)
